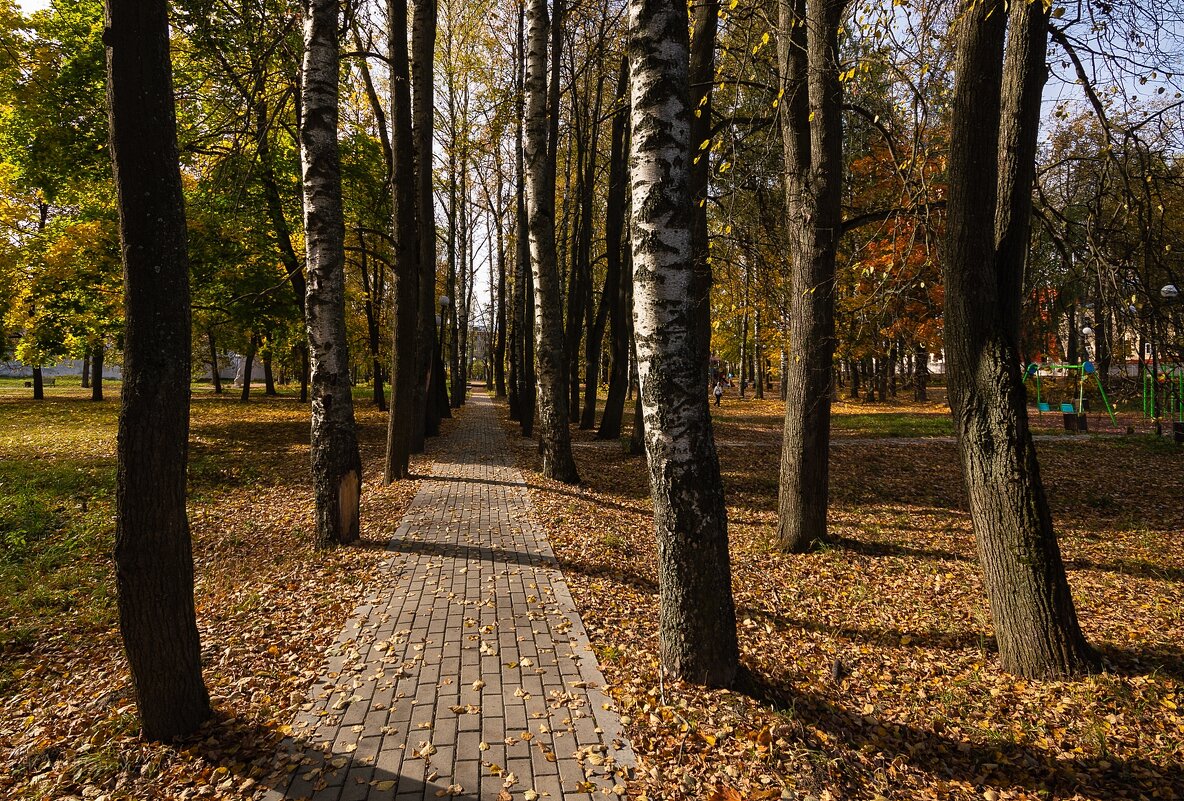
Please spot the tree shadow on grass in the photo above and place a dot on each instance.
(998, 763)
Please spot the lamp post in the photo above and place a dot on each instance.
(444, 302)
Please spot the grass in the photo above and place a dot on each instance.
(67, 716)
(56, 522)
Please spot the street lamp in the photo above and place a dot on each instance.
(444, 302)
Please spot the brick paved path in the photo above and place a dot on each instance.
(472, 676)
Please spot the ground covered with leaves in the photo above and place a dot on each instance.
(870, 666)
(268, 603)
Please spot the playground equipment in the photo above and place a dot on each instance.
(1163, 395)
(1074, 412)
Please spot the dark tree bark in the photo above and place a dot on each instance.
(96, 371)
(281, 231)
(153, 557)
(268, 376)
(921, 374)
(594, 322)
(697, 622)
(704, 23)
(373, 291)
(336, 465)
(407, 251)
(811, 126)
(215, 377)
(618, 280)
(426, 413)
(996, 108)
(85, 369)
(248, 367)
(550, 361)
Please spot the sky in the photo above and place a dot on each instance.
(29, 6)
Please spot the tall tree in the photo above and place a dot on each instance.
(539, 154)
(336, 464)
(697, 634)
(407, 250)
(153, 556)
(812, 130)
(617, 279)
(425, 410)
(995, 120)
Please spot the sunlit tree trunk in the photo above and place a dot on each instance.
(550, 363)
(812, 131)
(697, 626)
(996, 113)
(153, 556)
(336, 465)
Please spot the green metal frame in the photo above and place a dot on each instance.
(1173, 377)
(1033, 370)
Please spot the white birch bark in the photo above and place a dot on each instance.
(336, 465)
(550, 359)
(697, 635)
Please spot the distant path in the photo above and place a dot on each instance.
(474, 665)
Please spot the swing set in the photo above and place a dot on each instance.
(1074, 411)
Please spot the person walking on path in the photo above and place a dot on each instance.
(718, 392)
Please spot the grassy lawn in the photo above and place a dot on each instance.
(268, 603)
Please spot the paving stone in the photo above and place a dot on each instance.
(472, 589)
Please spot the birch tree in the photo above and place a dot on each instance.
(697, 634)
(153, 554)
(336, 464)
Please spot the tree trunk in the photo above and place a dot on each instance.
(215, 377)
(783, 369)
(697, 626)
(153, 556)
(248, 366)
(996, 111)
(499, 344)
(268, 376)
(921, 374)
(701, 77)
(336, 465)
(372, 295)
(38, 383)
(405, 223)
(425, 417)
(812, 132)
(595, 322)
(96, 371)
(550, 362)
(85, 369)
(618, 277)
(281, 231)
(758, 359)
